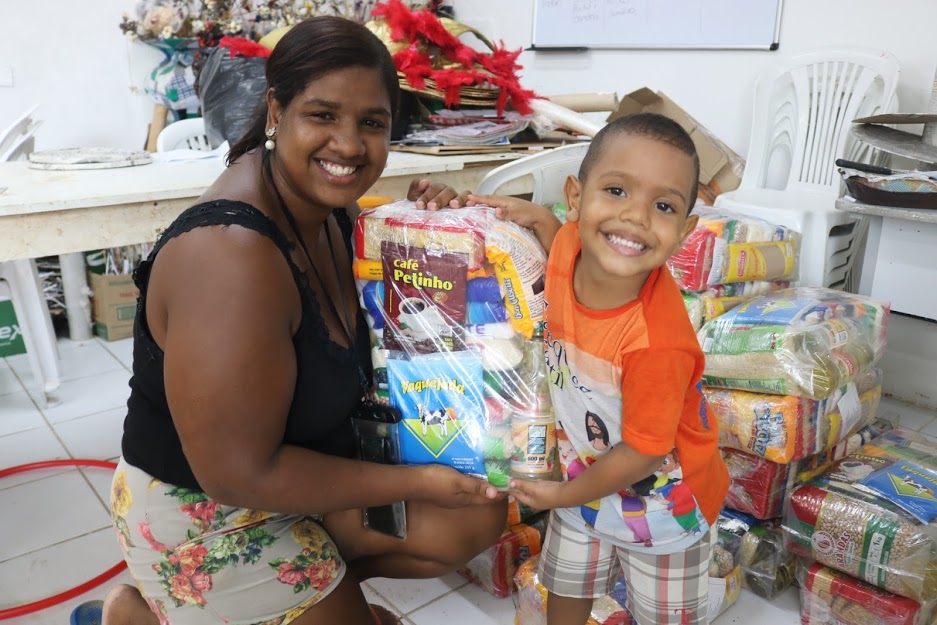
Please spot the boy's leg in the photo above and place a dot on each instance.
(575, 568)
(671, 589)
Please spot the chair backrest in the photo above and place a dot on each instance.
(548, 170)
(17, 140)
(803, 110)
(185, 134)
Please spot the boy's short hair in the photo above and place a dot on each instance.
(652, 126)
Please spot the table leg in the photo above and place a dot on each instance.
(870, 258)
(77, 304)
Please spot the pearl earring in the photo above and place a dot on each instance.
(270, 144)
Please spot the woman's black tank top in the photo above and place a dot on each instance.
(327, 381)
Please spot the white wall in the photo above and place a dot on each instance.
(71, 59)
(715, 86)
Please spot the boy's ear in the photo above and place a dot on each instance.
(688, 226)
(573, 191)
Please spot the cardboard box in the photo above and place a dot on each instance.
(113, 305)
(718, 163)
(11, 338)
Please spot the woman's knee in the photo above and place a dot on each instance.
(479, 528)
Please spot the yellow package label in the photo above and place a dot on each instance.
(368, 269)
(520, 264)
(760, 261)
(717, 306)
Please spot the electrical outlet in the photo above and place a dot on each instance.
(6, 75)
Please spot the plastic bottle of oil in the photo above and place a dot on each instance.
(533, 425)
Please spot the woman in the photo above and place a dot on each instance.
(249, 356)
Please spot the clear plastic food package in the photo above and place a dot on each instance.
(784, 428)
(726, 248)
(531, 601)
(829, 597)
(494, 568)
(806, 342)
(759, 487)
(845, 519)
(454, 301)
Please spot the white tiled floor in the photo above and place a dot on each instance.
(55, 531)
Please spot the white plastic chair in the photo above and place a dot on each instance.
(548, 171)
(185, 134)
(803, 110)
(17, 140)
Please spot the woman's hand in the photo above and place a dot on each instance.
(435, 195)
(447, 488)
(541, 495)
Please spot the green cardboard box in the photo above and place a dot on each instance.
(11, 338)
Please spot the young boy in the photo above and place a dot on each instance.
(625, 369)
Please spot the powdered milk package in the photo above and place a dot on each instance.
(454, 301)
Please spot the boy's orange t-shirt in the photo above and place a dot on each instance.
(632, 375)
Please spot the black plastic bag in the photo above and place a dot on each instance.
(230, 89)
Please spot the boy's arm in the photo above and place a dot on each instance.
(615, 471)
(527, 214)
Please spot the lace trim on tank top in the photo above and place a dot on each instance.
(233, 212)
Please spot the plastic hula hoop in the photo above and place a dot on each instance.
(48, 602)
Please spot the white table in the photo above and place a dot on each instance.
(900, 262)
(43, 213)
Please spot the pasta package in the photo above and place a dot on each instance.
(837, 520)
(783, 428)
(454, 304)
(805, 342)
(725, 249)
(829, 597)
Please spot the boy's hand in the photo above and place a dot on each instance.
(435, 195)
(539, 495)
(527, 214)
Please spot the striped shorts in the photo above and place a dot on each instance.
(668, 589)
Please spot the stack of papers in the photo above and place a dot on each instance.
(478, 133)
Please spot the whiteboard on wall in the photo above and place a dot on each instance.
(723, 24)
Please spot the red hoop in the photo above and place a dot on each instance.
(48, 602)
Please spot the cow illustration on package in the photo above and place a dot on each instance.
(439, 417)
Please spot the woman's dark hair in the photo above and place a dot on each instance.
(599, 424)
(311, 49)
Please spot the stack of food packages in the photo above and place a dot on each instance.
(729, 259)
(494, 569)
(867, 530)
(531, 600)
(454, 302)
(790, 380)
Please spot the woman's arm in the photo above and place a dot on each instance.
(227, 308)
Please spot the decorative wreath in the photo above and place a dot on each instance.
(432, 61)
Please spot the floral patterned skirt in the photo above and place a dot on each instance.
(197, 562)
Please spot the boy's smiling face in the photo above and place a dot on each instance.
(632, 211)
